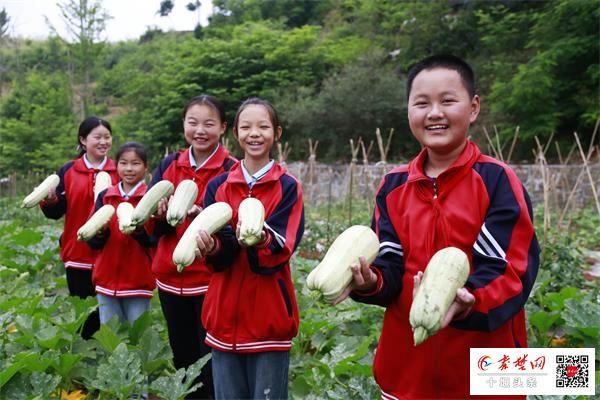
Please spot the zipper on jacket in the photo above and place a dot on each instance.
(239, 294)
(435, 188)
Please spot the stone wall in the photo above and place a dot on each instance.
(331, 182)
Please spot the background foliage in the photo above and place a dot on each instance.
(335, 69)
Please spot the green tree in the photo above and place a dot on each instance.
(364, 95)
(166, 6)
(260, 58)
(36, 125)
(294, 13)
(4, 21)
(555, 86)
(85, 21)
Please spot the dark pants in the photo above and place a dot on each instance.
(186, 336)
(252, 375)
(80, 284)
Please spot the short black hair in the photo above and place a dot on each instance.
(137, 148)
(446, 61)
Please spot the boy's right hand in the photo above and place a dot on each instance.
(363, 280)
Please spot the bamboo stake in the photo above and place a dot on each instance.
(542, 160)
(548, 143)
(283, 152)
(498, 144)
(380, 145)
(383, 150)
(560, 159)
(589, 172)
(512, 145)
(581, 173)
(570, 154)
(491, 144)
(389, 142)
(312, 161)
(354, 150)
(366, 171)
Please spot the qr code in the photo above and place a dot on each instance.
(572, 371)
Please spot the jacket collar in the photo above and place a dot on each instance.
(215, 161)
(89, 165)
(236, 174)
(115, 191)
(80, 166)
(465, 161)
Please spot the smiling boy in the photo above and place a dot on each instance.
(449, 195)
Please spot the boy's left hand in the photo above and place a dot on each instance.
(459, 308)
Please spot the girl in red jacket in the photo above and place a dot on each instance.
(182, 294)
(122, 276)
(74, 198)
(250, 312)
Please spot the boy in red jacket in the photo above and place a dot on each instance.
(449, 195)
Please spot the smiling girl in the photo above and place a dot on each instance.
(74, 198)
(251, 314)
(182, 294)
(122, 276)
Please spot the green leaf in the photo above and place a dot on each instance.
(176, 386)
(9, 372)
(48, 337)
(107, 338)
(139, 326)
(27, 237)
(543, 320)
(43, 384)
(121, 374)
(154, 352)
(583, 314)
(556, 301)
(39, 363)
(65, 363)
(349, 364)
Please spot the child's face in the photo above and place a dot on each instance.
(202, 128)
(97, 143)
(440, 110)
(255, 132)
(131, 168)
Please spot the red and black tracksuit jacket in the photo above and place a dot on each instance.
(250, 305)
(176, 167)
(123, 266)
(480, 206)
(76, 202)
